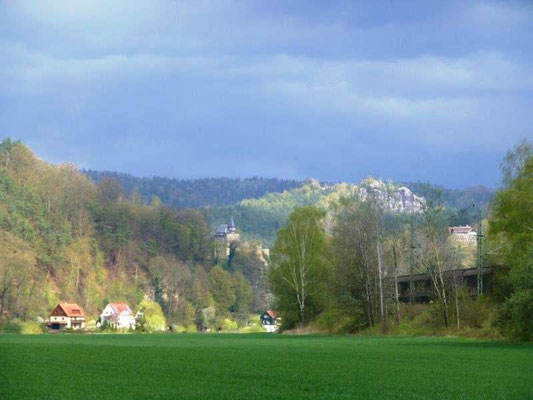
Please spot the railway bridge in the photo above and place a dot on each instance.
(423, 287)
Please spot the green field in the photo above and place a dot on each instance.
(218, 366)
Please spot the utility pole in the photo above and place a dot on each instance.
(479, 260)
(411, 263)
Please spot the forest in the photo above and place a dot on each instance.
(65, 238)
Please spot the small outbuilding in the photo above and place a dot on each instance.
(67, 316)
(270, 320)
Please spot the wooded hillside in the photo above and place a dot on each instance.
(63, 238)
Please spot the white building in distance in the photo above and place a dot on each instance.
(118, 316)
(464, 234)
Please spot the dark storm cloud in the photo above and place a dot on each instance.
(211, 88)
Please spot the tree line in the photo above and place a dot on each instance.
(194, 193)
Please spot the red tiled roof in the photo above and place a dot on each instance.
(120, 307)
(272, 313)
(72, 310)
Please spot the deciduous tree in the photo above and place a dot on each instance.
(511, 226)
(297, 274)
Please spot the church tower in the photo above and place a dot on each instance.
(231, 226)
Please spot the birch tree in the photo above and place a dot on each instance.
(395, 246)
(436, 257)
(298, 269)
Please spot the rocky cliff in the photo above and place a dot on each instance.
(261, 218)
(391, 197)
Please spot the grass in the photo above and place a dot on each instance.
(203, 366)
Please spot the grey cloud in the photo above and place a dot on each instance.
(286, 89)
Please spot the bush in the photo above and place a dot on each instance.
(90, 325)
(289, 319)
(254, 326)
(107, 327)
(12, 326)
(152, 318)
(516, 317)
(177, 328)
(31, 328)
(420, 319)
(205, 318)
(26, 328)
(228, 325)
(336, 321)
(477, 314)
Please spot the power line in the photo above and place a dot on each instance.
(479, 260)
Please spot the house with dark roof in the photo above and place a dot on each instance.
(270, 320)
(118, 316)
(67, 316)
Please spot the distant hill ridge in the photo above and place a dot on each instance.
(260, 206)
(220, 191)
(196, 193)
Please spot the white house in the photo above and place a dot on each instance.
(117, 315)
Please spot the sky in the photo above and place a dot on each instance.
(333, 90)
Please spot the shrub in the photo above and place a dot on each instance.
(420, 319)
(253, 327)
(12, 326)
(152, 318)
(205, 318)
(256, 328)
(228, 325)
(190, 328)
(289, 319)
(335, 321)
(477, 314)
(516, 316)
(31, 328)
(176, 328)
